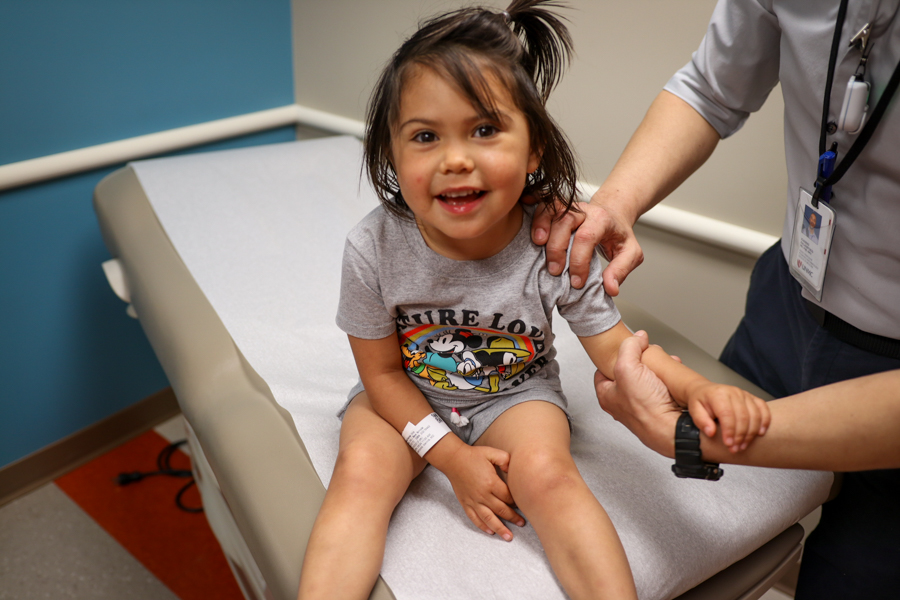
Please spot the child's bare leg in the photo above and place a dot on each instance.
(576, 533)
(373, 471)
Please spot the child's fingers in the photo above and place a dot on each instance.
(703, 419)
(494, 523)
(501, 491)
(765, 414)
(741, 424)
(725, 415)
(754, 418)
(498, 457)
(503, 506)
(486, 519)
(477, 521)
(507, 513)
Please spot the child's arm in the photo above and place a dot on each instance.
(470, 469)
(741, 415)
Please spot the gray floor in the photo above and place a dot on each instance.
(49, 548)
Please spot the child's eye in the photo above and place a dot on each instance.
(424, 137)
(485, 131)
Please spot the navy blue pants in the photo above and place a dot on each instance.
(855, 550)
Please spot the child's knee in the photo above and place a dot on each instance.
(365, 469)
(538, 473)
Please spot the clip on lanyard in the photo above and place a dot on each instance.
(825, 177)
(826, 168)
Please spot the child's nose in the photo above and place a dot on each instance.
(457, 159)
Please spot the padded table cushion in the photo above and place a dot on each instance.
(262, 230)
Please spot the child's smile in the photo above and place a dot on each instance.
(461, 201)
(461, 173)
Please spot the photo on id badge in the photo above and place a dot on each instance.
(811, 223)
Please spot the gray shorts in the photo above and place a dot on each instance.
(482, 415)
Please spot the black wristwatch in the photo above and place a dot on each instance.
(688, 459)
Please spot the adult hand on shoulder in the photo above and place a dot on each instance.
(638, 398)
(599, 224)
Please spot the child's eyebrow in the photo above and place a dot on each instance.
(417, 121)
(499, 116)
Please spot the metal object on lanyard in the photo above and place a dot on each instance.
(861, 39)
(856, 97)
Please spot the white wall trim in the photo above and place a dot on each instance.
(702, 229)
(711, 231)
(329, 122)
(679, 222)
(94, 157)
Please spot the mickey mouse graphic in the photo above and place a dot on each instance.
(460, 359)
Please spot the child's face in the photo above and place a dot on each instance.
(461, 174)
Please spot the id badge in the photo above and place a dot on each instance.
(811, 243)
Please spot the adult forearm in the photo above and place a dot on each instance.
(670, 144)
(848, 426)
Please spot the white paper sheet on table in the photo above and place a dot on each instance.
(262, 232)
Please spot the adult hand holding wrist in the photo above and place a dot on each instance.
(638, 399)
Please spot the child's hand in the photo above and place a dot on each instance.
(479, 489)
(741, 415)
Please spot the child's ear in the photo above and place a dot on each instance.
(534, 161)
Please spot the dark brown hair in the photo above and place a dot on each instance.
(525, 47)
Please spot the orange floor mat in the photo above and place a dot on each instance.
(178, 547)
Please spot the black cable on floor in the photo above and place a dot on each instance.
(165, 468)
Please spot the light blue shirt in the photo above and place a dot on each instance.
(749, 47)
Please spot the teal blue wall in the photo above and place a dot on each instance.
(75, 74)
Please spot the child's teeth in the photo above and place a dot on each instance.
(459, 195)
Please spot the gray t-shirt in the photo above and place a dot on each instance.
(468, 331)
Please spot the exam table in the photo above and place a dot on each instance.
(231, 262)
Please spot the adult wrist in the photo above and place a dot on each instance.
(618, 204)
(653, 429)
(660, 437)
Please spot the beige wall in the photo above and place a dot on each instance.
(626, 51)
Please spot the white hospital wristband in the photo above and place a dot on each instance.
(428, 432)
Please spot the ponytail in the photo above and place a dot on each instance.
(545, 39)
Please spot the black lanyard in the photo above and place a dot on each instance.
(874, 118)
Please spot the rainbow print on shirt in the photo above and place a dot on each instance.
(468, 358)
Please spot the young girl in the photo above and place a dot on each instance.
(448, 305)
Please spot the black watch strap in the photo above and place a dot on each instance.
(688, 459)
